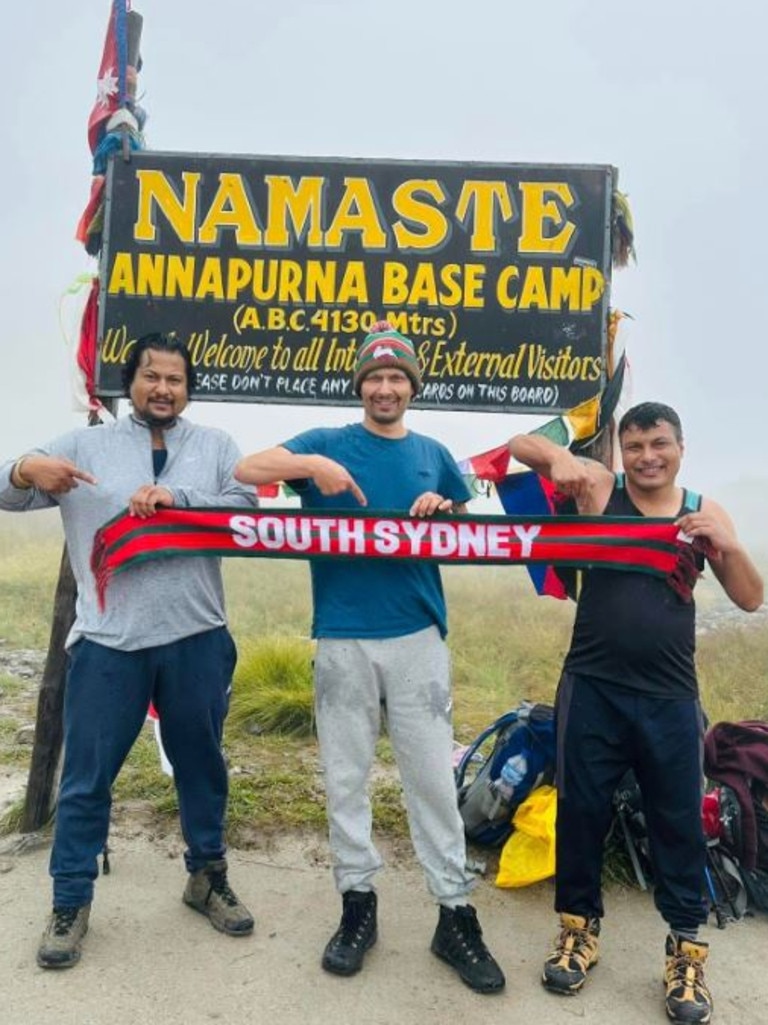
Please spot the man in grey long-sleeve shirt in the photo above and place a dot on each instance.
(162, 638)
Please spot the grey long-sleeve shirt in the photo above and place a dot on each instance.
(157, 602)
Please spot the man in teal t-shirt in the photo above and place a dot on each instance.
(380, 626)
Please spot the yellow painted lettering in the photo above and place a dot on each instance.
(156, 193)
(565, 287)
(354, 284)
(357, 211)
(210, 284)
(394, 284)
(321, 281)
(534, 291)
(592, 287)
(545, 227)
(239, 274)
(479, 201)
(290, 282)
(250, 318)
(302, 203)
(232, 207)
(264, 280)
(474, 275)
(423, 288)
(450, 278)
(121, 278)
(506, 287)
(180, 276)
(150, 274)
(430, 223)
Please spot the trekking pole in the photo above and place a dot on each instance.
(722, 881)
(719, 916)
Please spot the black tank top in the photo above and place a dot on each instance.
(633, 629)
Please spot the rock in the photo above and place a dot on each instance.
(26, 734)
(24, 663)
(18, 843)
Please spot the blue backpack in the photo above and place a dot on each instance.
(485, 808)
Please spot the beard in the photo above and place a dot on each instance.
(150, 420)
(389, 417)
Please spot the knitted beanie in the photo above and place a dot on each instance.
(385, 347)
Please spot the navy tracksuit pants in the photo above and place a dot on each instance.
(105, 705)
(603, 730)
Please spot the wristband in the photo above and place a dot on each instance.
(23, 484)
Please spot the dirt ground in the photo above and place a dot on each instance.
(148, 958)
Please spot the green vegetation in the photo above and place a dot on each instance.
(30, 554)
(272, 689)
(507, 645)
(733, 669)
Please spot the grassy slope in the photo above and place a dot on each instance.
(507, 645)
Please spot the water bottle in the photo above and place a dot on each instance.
(512, 774)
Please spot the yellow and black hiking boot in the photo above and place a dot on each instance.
(575, 952)
(688, 1000)
(63, 937)
(209, 892)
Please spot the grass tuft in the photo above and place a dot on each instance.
(10, 821)
(272, 690)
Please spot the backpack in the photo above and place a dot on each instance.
(528, 730)
(732, 839)
(726, 892)
(736, 756)
(756, 879)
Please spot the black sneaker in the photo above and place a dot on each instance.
(458, 941)
(688, 1000)
(356, 934)
(63, 937)
(208, 891)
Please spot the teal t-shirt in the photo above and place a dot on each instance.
(378, 597)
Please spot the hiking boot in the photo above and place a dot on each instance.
(345, 950)
(575, 952)
(63, 937)
(208, 892)
(687, 999)
(458, 941)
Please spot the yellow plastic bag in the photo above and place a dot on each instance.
(528, 855)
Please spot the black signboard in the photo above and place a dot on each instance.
(273, 270)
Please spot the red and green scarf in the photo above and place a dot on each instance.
(625, 543)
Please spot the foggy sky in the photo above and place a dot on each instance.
(672, 94)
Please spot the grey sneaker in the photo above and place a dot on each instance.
(208, 892)
(63, 937)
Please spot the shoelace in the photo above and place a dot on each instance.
(221, 888)
(689, 972)
(64, 919)
(354, 922)
(571, 944)
(470, 935)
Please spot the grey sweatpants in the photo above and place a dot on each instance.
(410, 678)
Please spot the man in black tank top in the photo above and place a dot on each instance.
(628, 699)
